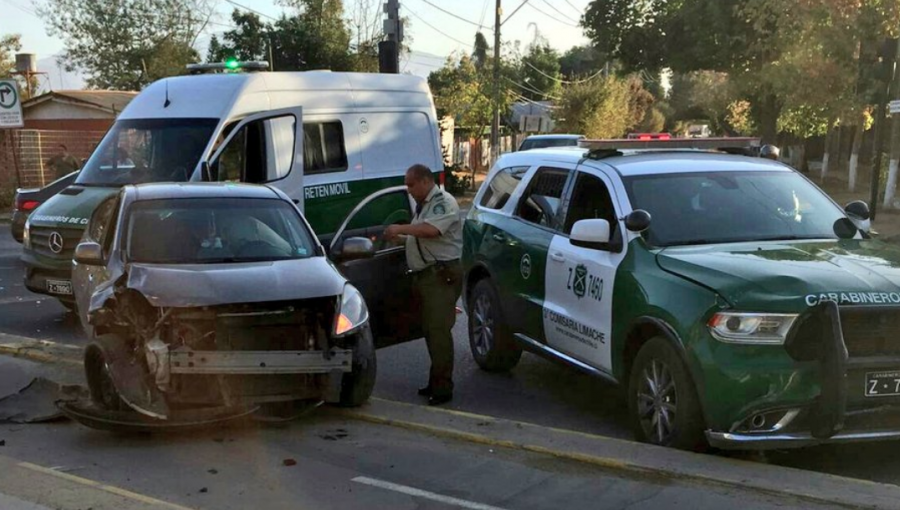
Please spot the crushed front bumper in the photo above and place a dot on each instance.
(186, 361)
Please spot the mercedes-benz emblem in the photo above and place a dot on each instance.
(56, 242)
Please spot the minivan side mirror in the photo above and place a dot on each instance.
(353, 248)
(89, 253)
(592, 233)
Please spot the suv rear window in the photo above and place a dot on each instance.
(502, 187)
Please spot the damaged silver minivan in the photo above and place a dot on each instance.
(204, 301)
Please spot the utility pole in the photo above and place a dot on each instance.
(389, 50)
(891, 185)
(495, 124)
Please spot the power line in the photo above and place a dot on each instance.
(576, 8)
(515, 11)
(560, 80)
(22, 8)
(251, 10)
(564, 15)
(483, 12)
(551, 17)
(456, 16)
(529, 89)
(520, 97)
(436, 29)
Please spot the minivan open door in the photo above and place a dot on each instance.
(263, 148)
(383, 278)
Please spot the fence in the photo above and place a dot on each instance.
(24, 154)
(469, 153)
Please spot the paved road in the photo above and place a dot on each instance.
(537, 391)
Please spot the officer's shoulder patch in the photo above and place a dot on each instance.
(440, 209)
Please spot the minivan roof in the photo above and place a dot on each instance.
(226, 95)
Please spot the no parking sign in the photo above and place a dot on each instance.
(10, 105)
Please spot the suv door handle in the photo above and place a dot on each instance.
(558, 256)
(500, 238)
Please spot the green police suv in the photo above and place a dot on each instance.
(735, 302)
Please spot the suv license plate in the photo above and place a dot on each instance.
(59, 287)
(882, 384)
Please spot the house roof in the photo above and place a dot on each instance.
(112, 101)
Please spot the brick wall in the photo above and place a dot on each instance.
(32, 148)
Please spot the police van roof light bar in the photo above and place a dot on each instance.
(231, 65)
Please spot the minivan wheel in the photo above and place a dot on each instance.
(357, 385)
(490, 340)
(662, 400)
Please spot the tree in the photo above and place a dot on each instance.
(126, 44)
(317, 37)
(581, 61)
(701, 96)
(250, 40)
(603, 107)
(539, 73)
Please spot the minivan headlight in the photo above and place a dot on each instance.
(352, 313)
(751, 328)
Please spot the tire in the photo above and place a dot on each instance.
(491, 342)
(672, 416)
(102, 389)
(357, 385)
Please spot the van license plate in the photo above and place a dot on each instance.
(882, 384)
(59, 287)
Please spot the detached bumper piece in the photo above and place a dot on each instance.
(88, 414)
(842, 344)
(184, 361)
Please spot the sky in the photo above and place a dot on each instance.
(437, 28)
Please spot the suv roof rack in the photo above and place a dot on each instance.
(599, 149)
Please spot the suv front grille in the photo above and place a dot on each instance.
(871, 332)
(41, 236)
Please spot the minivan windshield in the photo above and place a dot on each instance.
(215, 230)
(148, 150)
(723, 207)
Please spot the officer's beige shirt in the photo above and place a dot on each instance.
(441, 211)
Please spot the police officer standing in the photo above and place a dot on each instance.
(433, 247)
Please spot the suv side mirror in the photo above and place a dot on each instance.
(592, 233)
(859, 213)
(638, 221)
(353, 248)
(89, 253)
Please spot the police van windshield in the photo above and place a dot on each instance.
(148, 150)
(723, 207)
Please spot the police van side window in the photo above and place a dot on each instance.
(590, 200)
(502, 187)
(324, 150)
(540, 203)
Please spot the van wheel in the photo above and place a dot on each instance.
(490, 340)
(357, 385)
(102, 389)
(662, 399)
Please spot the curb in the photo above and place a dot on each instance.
(630, 457)
(40, 350)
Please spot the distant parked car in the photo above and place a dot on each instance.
(544, 141)
(29, 199)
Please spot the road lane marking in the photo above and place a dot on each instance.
(419, 493)
(102, 486)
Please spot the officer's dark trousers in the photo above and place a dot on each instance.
(438, 298)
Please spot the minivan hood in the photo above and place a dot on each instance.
(71, 208)
(190, 285)
(791, 275)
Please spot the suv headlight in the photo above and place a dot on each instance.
(352, 313)
(751, 328)
(26, 235)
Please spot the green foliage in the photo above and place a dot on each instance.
(456, 180)
(463, 91)
(701, 95)
(539, 73)
(9, 45)
(740, 119)
(653, 122)
(249, 41)
(581, 61)
(125, 44)
(603, 107)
